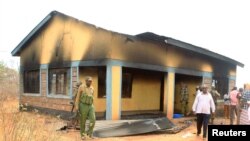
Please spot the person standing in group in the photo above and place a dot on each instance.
(201, 107)
(248, 112)
(84, 104)
(226, 105)
(233, 105)
(239, 105)
(245, 111)
(215, 95)
(245, 98)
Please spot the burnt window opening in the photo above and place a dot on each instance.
(102, 82)
(126, 84)
(59, 81)
(221, 84)
(31, 81)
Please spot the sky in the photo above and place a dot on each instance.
(222, 26)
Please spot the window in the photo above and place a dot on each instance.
(102, 82)
(221, 84)
(59, 81)
(31, 81)
(126, 85)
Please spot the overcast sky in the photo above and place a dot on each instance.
(222, 26)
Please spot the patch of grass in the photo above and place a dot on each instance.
(20, 126)
(24, 126)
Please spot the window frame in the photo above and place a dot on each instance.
(37, 83)
(102, 81)
(102, 77)
(127, 92)
(67, 89)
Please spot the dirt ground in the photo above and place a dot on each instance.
(47, 125)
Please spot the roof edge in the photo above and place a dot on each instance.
(16, 51)
(168, 40)
(202, 51)
(187, 46)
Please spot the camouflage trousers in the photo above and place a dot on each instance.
(87, 112)
(184, 108)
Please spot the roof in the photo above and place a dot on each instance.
(21, 45)
(187, 46)
(146, 35)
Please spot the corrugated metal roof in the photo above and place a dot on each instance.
(187, 46)
(146, 35)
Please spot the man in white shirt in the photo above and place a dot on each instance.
(201, 107)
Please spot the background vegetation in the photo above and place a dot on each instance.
(16, 125)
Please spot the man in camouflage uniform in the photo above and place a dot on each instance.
(184, 99)
(84, 104)
(215, 96)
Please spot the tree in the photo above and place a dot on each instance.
(9, 79)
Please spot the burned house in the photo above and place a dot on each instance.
(131, 74)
